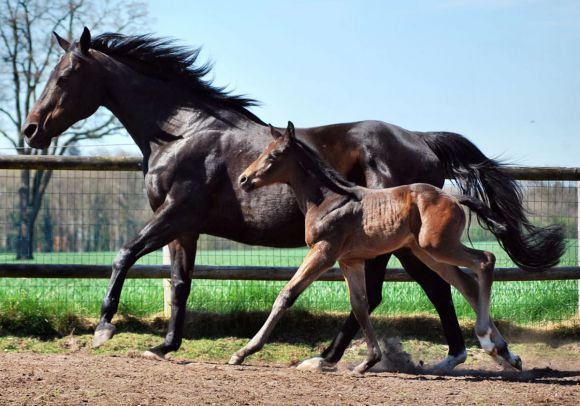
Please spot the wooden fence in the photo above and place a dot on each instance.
(234, 272)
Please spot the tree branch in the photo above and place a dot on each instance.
(5, 135)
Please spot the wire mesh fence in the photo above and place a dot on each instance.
(86, 216)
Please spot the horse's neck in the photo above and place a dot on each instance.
(153, 112)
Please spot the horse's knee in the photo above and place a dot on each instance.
(181, 291)
(121, 259)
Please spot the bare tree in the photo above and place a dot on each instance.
(27, 53)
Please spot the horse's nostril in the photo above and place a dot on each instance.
(30, 130)
(243, 179)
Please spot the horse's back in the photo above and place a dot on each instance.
(376, 154)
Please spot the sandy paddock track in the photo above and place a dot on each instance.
(31, 379)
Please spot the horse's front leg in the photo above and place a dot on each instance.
(319, 259)
(166, 224)
(182, 252)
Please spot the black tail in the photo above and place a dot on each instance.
(530, 247)
(484, 215)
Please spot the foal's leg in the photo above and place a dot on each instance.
(166, 224)
(476, 293)
(319, 259)
(182, 252)
(439, 293)
(374, 277)
(354, 274)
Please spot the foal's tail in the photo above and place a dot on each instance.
(499, 199)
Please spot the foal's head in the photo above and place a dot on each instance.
(274, 165)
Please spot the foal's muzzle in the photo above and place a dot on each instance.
(245, 183)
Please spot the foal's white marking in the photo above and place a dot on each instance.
(315, 364)
(486, 343)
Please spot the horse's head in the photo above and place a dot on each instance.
(272, 166)
(73, 92)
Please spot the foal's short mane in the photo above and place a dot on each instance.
(164, 60)
(312, 163)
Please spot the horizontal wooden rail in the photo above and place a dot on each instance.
(78, 163)
(127, 163)
(248, 273)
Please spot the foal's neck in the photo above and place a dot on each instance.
(309, 189)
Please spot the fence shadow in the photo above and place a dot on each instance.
(297, 326)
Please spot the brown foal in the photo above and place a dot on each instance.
(351, 224)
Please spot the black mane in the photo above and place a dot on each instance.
(166, 61)
(312, 163)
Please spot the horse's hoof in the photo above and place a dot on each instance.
(316, 364)
(103, 333)
(152, 354)
(236, 360)
(449, 362)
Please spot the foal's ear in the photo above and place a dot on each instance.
(85, 42)
(275, 133)
(290, 130)
(63, 43)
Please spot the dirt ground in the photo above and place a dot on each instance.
(40, 379)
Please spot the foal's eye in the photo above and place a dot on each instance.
(271, 157)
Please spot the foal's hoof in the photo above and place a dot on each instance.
(511, 362)
(103, 333)
(316, 364)
(236, 360)
(359, 370)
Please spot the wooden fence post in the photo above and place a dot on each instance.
(166, 285)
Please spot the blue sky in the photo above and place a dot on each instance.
(504, 73)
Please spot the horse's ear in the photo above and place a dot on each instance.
(275, 133)
(85, 42)
(63, 43)
(290, 130)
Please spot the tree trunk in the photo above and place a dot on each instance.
(25, 227)
(29, 207)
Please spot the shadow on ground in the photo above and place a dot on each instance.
(295, 327)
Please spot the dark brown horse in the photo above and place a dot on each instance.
(351, 224)
(196, 139)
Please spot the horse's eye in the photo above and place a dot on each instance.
(61, 80)
(271, 157)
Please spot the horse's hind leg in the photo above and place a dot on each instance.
(354, 274)
(319, 259)
(182, 252)
(164, 227)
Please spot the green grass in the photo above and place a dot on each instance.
(57, 299)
